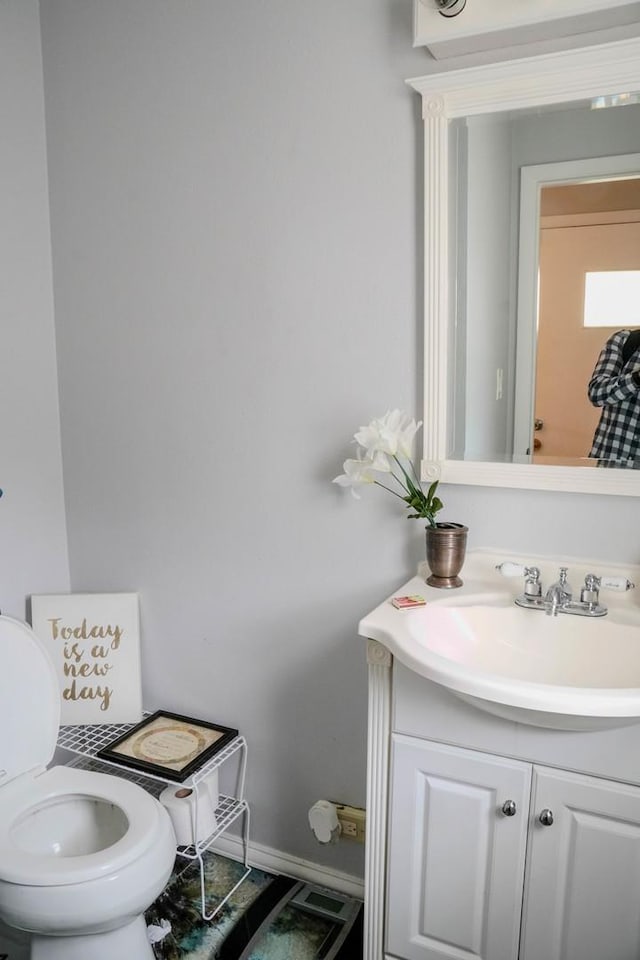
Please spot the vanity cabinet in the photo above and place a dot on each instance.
(582, 879)
(462, 862)
(498, 859)
(456, 861)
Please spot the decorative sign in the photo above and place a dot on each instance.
(94, 641)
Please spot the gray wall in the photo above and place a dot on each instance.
(235, 210)
(234, 222)
(33, 558)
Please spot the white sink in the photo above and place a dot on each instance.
(564, 672)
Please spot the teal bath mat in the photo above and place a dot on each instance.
(191, 937)
(262, 920)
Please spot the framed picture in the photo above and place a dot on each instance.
(168, 745)
(94, 642)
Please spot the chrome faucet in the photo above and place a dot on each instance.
(559, 598)
(559, 595)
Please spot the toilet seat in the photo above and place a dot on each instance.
(28, 793)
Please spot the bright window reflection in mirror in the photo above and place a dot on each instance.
(612, 298)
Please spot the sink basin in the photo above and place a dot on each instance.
(563, 672)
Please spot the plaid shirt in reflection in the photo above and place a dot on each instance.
(614, 387)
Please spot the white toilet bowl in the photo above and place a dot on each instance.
(82, 854)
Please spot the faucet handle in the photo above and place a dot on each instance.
(590, 591)
(509, 569)
(621, 584)
(589, 594)
(532, 585)
(616, 583)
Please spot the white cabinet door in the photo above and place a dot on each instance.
(582, 888)
(456, 863)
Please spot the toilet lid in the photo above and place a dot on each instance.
(29, 701)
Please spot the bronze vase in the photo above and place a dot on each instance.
(446, 547)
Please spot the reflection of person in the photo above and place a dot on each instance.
(615, 386)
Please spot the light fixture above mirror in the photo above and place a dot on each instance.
(496, 24)
(532, 84)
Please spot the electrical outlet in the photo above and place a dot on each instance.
(352, 821)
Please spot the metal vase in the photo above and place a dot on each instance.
(446, 547)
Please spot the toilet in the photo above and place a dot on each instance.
(82, 854)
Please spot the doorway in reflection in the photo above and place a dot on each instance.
(588, 231)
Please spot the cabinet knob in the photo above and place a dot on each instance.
(546, 818)
(509, 808)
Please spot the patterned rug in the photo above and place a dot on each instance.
(180, 905)
(292, 934)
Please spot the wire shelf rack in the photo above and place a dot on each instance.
(85, 741)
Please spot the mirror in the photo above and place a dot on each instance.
(496, 138)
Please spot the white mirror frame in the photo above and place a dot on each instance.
(511, 85)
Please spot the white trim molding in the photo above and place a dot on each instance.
(275, 861)
(380, 661)
(535, 81)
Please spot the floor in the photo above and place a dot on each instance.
(246, 928)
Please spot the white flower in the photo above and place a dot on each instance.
(386, 447)
(362, 470)
(392, 434)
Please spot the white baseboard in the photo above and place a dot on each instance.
(274, 861)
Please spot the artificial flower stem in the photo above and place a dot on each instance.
(417, 491)
(415, 473)
(400, 464)
(378, 484)
(399, 481)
